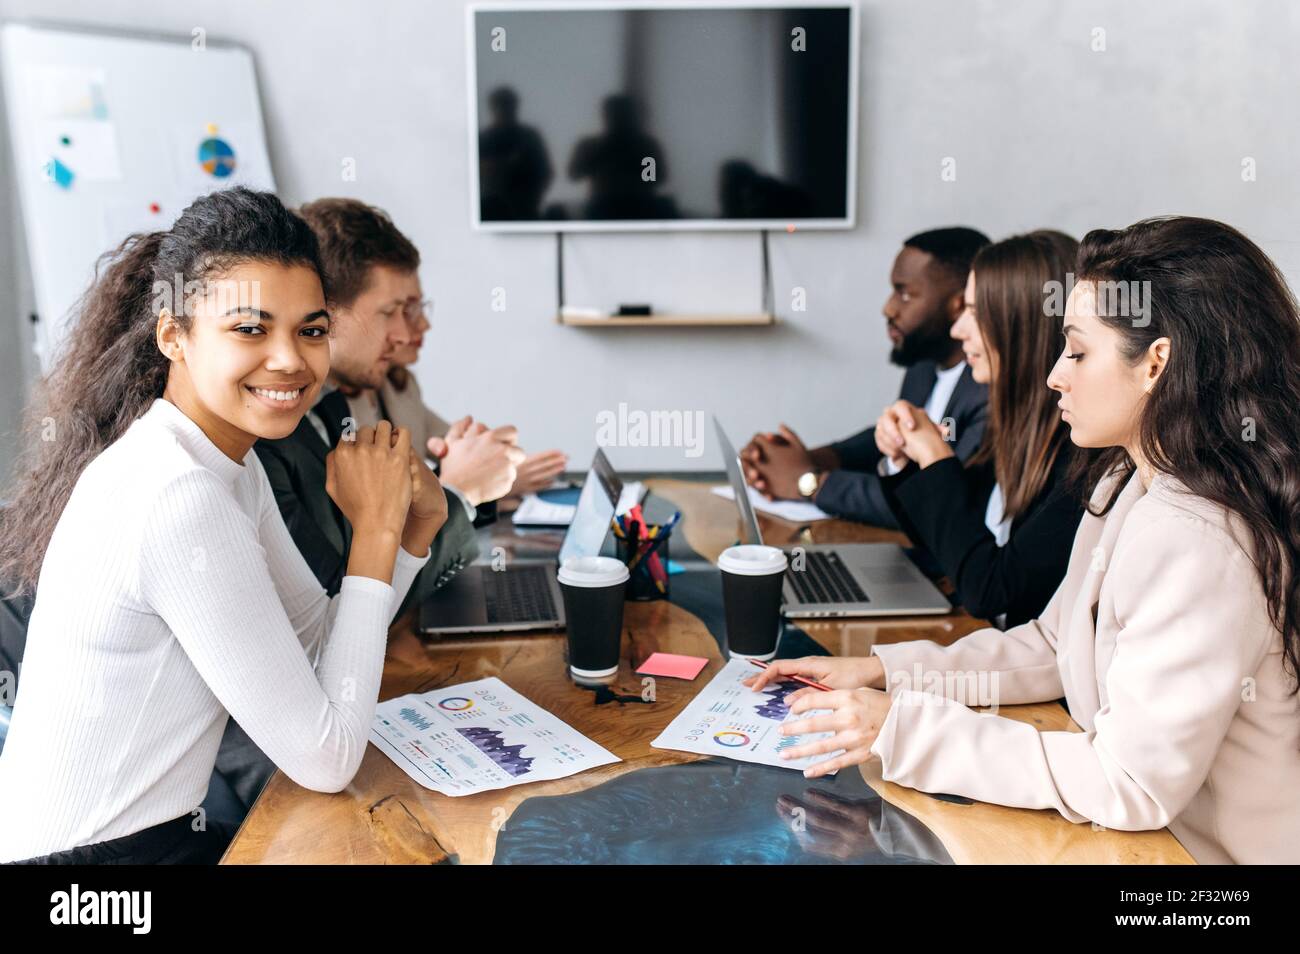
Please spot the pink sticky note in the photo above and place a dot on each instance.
(670, 664)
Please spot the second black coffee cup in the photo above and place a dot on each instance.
(753, 579)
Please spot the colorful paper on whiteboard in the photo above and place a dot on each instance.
(72, 125)
(203, 161)
(58, 173)
(68, 92)
(86, 146)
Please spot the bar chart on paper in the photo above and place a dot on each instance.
(729, 719)
(479, 736)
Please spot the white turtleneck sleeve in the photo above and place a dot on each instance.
(248, 612)
(170, 598)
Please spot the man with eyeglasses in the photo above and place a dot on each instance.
(468, 452)
(369, 282)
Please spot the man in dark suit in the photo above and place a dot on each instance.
(368, 268)
(295, 466)
(929, 280)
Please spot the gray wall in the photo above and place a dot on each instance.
(1045, 132)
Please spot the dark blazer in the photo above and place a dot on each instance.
(15, 611)
(854, 490)
(942, 509)
(296, 468)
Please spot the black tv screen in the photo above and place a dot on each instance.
(642, 116)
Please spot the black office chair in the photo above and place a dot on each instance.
(13, 638)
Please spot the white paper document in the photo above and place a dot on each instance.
(730, 720)
(533, 511)
(479, 736)
(796, 511)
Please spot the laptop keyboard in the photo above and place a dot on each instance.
(825, 579)
(519, 595)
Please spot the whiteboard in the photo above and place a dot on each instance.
(113, 134)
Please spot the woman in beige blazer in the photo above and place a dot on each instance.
(1175, 634)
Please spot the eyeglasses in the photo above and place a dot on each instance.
(413, 311)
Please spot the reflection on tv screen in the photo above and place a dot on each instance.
(655, 115)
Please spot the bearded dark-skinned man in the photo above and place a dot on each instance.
(928, 279)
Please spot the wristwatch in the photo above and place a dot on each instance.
(808, 483)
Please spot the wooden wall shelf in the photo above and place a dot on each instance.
(670, 321)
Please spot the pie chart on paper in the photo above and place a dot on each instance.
(216, 157)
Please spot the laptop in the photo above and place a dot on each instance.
(525, 596)
(841, 579)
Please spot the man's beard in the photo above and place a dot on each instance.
(927, 343)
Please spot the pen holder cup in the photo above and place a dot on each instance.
(647, 564)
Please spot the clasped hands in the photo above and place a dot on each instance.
(485, 464)
(904, 432)
(773, 462)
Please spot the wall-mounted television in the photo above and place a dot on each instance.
(634, 115)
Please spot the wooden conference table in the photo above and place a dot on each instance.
(660, 805)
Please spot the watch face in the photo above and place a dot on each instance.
(808, 484)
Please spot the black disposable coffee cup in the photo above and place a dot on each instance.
(752, 580)
(593, 589)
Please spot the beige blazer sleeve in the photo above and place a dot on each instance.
(1188, 609)
(434, 425)
(407, 409)
(1024, 658)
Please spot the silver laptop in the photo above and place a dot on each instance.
(526, 596)
(840, 579)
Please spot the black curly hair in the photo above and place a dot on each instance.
(110, 370)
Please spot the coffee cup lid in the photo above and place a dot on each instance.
(592, 571)
(752, 559)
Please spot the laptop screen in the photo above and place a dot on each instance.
(595, 510)
(748, 522)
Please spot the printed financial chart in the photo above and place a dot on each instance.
(479, 736)
(730, 720)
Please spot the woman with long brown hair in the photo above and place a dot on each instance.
(169, 594)
(1175, 635)
(999, 527)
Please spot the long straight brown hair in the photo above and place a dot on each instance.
(1025, 434)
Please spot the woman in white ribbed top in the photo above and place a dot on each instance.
(170, 594)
